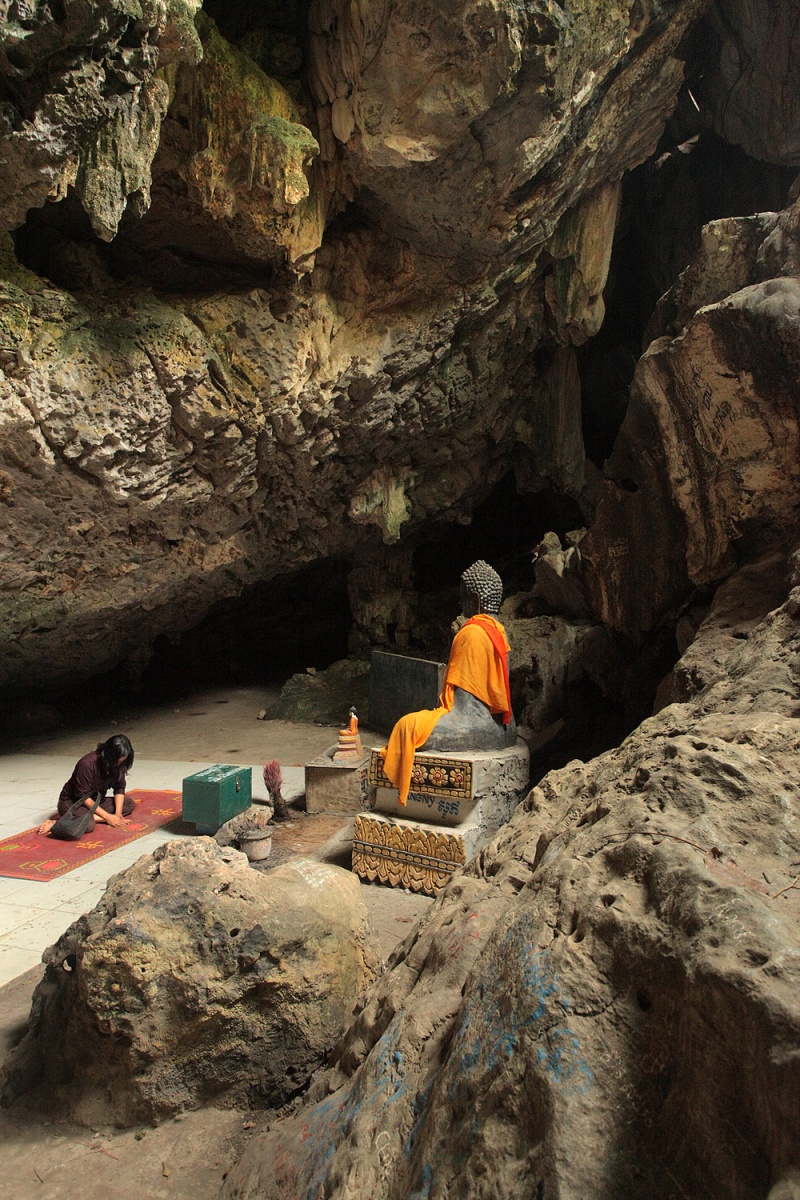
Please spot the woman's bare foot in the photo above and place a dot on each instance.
(45, 826)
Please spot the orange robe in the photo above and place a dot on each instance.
(476, 665)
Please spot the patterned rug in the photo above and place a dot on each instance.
(31, 855)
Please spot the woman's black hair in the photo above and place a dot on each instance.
(111, 751)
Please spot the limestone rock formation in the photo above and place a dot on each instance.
(250, 378)
(196, 979)
(468, 125)
(752, 81)
(551, 655)
(326, 696)
(237, 139)
(604, 1003)
(704, 471)
(82, 102)
(738, 607)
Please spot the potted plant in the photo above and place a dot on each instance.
(273, 781)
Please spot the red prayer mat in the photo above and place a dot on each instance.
(31, 855)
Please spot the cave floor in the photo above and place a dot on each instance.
(170, 742)
(184, 1159)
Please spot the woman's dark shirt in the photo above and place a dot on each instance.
(90, 778)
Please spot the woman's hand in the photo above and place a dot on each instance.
(114, 819)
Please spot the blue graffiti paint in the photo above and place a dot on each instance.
(423, 1192)
(380, 1082)
(534, 1008)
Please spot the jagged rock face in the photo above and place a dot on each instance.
(751, 82)
(237, 140)
(447, 115)
(81, 104)
(604, 1003)
(551, 657)
(705, 467)
(335, 400)
(195, 979)
(190, 451)
(739, 606)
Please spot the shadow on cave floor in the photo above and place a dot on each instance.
(186, 1158)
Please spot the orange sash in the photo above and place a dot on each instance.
(477, 666)
(497, 636)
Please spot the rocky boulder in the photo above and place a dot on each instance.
(472, 126)
(604, 1003)
(196, 979)
(551, 655)
(739, 606)
(752, 75)
(325, 697)
(704, 472)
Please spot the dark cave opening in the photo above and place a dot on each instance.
(693, 178)
(58, 243)
(261, 637)
(277, 628)
(272, 34)
(597, 718)
(503, 531)
(237, 18)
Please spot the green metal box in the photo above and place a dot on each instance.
(213, 796)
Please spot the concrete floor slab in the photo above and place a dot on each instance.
(170, 743)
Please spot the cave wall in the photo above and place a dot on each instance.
(410, 282)
(263, 371)
(282, 291)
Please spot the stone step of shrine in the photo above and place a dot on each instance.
(336, 786)
(410, 854)
(481, 786)
(456, 804)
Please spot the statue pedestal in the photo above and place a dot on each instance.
(456, 804)
(335, 787)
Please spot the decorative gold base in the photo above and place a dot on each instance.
(405, 855)
(432, 775)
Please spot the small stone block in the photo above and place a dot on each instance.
(409, 854)
(215, 795)
(335, 787)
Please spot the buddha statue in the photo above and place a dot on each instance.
(349, 749)
(474, 710)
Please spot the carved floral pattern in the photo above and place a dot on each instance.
(433, 776)
(422, 860)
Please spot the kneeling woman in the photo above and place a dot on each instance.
(103, 769)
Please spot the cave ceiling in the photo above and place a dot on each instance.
(284, 284)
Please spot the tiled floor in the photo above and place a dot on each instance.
(33, 914)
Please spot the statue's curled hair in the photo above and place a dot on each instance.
(482, 581)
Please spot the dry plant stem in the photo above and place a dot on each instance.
(281, 809)
(714, 850)
(107, 1153)
(272, 781)
(788, 887)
